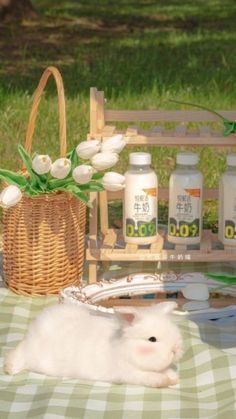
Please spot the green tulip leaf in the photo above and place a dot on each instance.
(97, 176)
(30, 191)
(226, 279)
(13, 178)
(229, 127)
(73, 158)
(26, 158)
(37, 181)
(92, 187)
(75, 191)
(54, 184)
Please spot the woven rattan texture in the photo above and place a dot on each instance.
(43, 244)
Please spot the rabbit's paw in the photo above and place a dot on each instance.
(14, 361)
(172, 376)
(10, 367)
(161, 379)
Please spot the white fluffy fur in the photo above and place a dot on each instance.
(69, 341)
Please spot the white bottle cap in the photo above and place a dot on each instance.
(141, 159)
(231, 159)
(187, 158)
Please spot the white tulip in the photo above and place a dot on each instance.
(60, 168)
(113, 181)
(10, 196)
(88, 149)
(103, 161)
(83, 173)
(41, 164)
(114, 144)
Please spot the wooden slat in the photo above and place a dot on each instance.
(158, 245)
(210, 193)
(131, 248)
(164, 255)
(157, 130)
(93, 111)
(205, 131)
(180, 248)
(93, 226)
(180, 131)
(110, 239)
(132, 131)
(100, 111)
(166, 116)
(206, 241)
(231, 249)
(108, 130)
(173, 138)
(214, 237)
(163, 194)
(169, 139)
(214, 302)
(103, 206)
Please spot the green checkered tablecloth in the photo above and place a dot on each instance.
(207, 387)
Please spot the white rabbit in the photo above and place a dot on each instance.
(133, 346)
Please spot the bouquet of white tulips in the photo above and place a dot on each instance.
(80, 172)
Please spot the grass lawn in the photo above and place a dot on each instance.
(141, 53)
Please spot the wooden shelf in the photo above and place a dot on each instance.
(113, 248)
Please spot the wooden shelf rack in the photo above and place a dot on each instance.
(101, 128)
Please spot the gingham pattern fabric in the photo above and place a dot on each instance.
(207, 387)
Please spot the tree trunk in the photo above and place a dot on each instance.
(16, 10)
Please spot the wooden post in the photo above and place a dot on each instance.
(100, 111)
(93, 112)
(103, 207)
(93, 236)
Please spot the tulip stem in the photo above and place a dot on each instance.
(201, 107)
(229, 126)
(47, 179)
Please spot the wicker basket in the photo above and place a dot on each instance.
(43, 237)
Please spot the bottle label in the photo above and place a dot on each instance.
(230, 217)
(141, 212)
(184, 212)
(229, 229)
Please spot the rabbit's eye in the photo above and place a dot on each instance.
(152, 339)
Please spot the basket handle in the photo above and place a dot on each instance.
(61, 106)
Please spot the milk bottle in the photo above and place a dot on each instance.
(140, 201)
(185, 201)
(227, 203)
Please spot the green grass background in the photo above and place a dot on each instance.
(141, 53)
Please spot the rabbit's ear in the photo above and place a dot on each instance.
(127, 315)
(165, 307)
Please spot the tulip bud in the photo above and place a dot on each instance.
(10, 196)
(41, 164)
(83, 174)
(60, 168)
(103, 161)
(88, 149)
(114, 144)
(113, 181)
